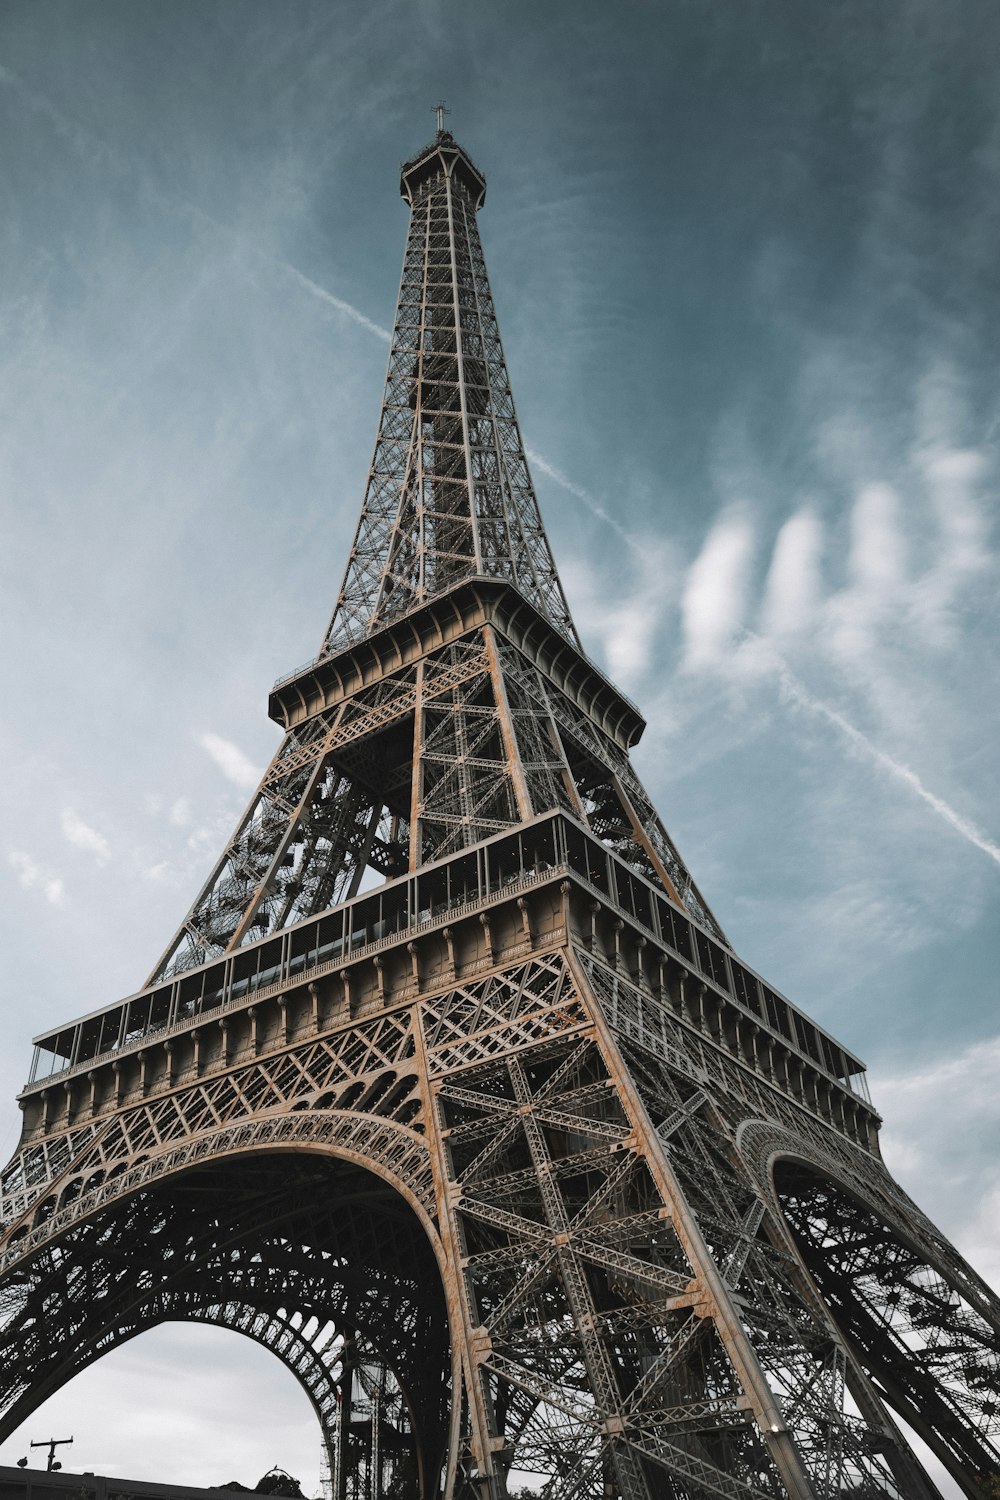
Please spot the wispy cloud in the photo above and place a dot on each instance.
(793, 580)
(230, 759)
(180, 812)
(628, 624)
(32, 877)
(845, 628)
(78, 833)
(83, 141)
(953, 1181)
(714, 597)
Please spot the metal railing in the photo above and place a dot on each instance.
(441, 916)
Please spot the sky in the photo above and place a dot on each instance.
(744, 260)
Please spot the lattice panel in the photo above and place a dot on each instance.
(572, 1268)
(596, 775)
(335, 801)
(449, 493)
(466, 784)
(936, 1356)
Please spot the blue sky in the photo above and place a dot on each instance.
(744, 258)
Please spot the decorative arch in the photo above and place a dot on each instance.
(329, 1217)
(917, 1320)
(392, 1151)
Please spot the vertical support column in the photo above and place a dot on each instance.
(515, 766)
(463, 395)
(344, 1416)
(724, 1312)
(417, 777)
(467, 1336)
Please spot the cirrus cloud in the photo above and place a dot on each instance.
(80, 834)
(230, 759)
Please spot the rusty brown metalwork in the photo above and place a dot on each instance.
(450, 1090)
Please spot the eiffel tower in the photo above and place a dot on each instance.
(450, 1091)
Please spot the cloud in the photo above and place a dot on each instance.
(953, 1171)
(629, 634)
(82, 836)
(628, 628)
(877, 550)
(874, 599)
(234, 765)
(32, 877)
(793, 583)
(180, 813)
(951, 477)
(714, 598)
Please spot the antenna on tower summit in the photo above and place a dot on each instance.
(441, 111)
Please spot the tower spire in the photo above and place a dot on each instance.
(449, 494)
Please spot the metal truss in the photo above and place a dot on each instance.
(449, 494)
(449, 1090)
(471, 739)
(631, 1314)
(934, 1354)
(374, 1452)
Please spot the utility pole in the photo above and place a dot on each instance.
(52, 1444)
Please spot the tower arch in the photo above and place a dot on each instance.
(921, 1328)
(302, 1249)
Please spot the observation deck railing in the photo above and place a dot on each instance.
(551, 846)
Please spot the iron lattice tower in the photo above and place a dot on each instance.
(502, 1150)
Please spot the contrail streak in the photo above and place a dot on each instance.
(581, 494)
(299, 277)
(98, 151)
(325, 296)
(794, 690)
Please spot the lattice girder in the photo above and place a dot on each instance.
(635, 1313)
(449, 494)
(469, 737)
